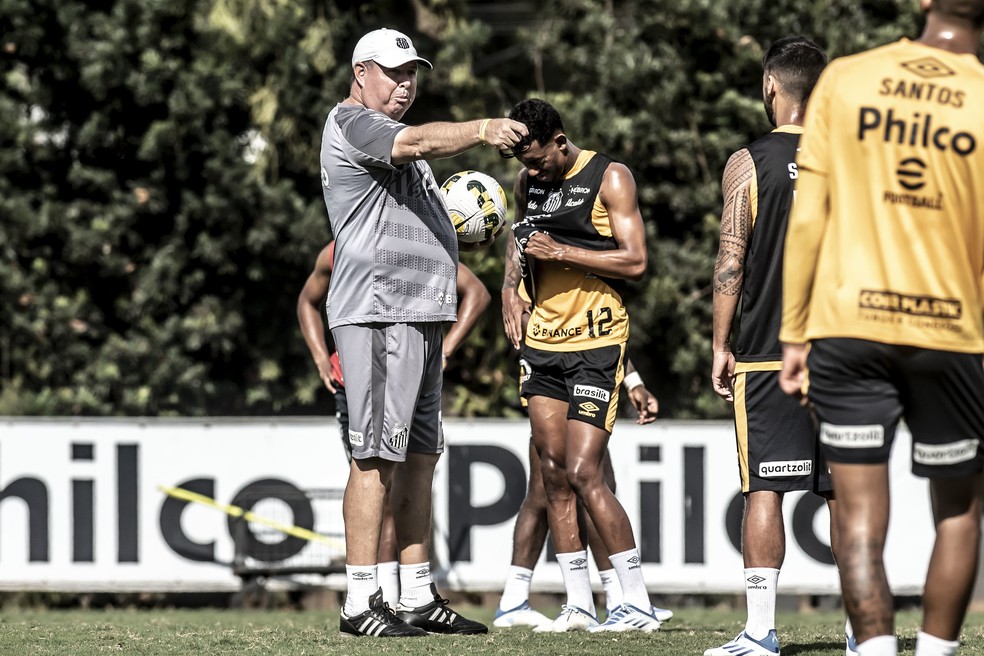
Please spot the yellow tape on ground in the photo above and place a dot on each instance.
(250, 516)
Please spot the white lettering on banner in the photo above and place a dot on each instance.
(945, 454)
(592, 392)
(677, 485)
(852, 437)
(785, 468)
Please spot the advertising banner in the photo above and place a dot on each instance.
(161, 505)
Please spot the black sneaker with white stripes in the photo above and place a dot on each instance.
(379, 621)
(437, 617)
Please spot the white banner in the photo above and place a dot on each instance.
(84, 506)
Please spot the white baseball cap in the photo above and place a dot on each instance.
(387, 48)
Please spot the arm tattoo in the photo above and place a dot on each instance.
(512, 271)
(736, 224)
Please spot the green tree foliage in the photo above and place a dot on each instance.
(160, 203)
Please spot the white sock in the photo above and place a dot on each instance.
(362, 584)
(628, 568)
(574, 567)
(415, 585)
(760, 599)
(883, 645)
(517, 587)
(389, 580)
(929, 645)
(612, 588)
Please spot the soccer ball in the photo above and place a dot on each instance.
(476, 203)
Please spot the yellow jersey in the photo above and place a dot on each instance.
(886, 237)
(573, 310)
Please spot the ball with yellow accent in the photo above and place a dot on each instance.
(476, 204)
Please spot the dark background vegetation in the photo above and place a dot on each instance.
(160, 201)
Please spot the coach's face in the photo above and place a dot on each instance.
(387, 90)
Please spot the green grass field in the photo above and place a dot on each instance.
(307, 633)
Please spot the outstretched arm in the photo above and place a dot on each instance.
(437, 140)
(473, 298)
(310, 308)
(729, 270)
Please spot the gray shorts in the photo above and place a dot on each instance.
(393, 383)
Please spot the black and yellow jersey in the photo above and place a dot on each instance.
(573, 309)
(886, 239)
(771, 195)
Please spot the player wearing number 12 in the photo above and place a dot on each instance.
(578, 237)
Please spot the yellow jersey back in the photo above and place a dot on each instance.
(895, 138)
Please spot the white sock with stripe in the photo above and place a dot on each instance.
(415, 585)
(362, 584)
(574, 567)
(517, 587)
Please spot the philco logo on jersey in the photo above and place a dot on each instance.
(852, 437)
(592, 392)
(785, 468)
(945, 454)
(588, 409)
(916, 130)
(356, 438)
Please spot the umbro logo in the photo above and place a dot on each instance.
(928, 67)
(423, 572)
(634, 560)
(755, 580)
(362, 576)
(579, 561)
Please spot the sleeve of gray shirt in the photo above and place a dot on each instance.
(371, 134)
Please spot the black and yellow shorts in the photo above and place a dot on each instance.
(861, 389)
(587, 380)
(777, 438)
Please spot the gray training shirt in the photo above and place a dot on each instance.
(396, 252)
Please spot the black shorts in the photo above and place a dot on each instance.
(777, 437)
(587, 380)
(861, 389)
